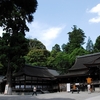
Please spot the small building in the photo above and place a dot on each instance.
(30, 76)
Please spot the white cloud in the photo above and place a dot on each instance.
(50, 34)
(44, 33)
(95, 20)
(96, 10)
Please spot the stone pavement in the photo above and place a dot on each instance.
(54, 96)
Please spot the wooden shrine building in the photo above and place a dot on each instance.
(94, 67)
(84, 66)
(30, 76)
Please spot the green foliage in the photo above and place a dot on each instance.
(13, 46)
(76, 36)
(2, 70)
(56, 48)
(76, 39)
(76, 52)
(50, 62)
(61, 62)
(97, 44)
(35, 44)
(64, 47)
(53, 53)
(15, 13)
(37, 57)
(13, 51)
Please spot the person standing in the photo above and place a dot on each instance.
(34, 91)
(89, 88)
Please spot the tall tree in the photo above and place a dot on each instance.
(56, 48)
(89, 46)
(76, 38)
(36, 44)
(97, 44)
(13, 17)
(15, 13)
(63, 47)
(37, 55)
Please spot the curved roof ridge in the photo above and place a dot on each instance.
(81, 60)
(87, 55)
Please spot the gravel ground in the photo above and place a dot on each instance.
(54, 96)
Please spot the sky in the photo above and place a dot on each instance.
(53, 19)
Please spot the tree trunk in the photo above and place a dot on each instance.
(8, 87)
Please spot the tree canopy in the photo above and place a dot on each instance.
(37, 57)
(90, 46)
(97, 44)
(14, 14)
(76, 39)
(56, 48)
(38, 54)
(36, 44)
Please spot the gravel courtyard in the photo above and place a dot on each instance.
(54, 96)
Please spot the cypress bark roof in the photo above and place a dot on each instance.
(74, 73)
(35, 72)
(79, 68)
(81, 60)
(78, 73)
(93, 63)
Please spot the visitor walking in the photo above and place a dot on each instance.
(34, 91)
